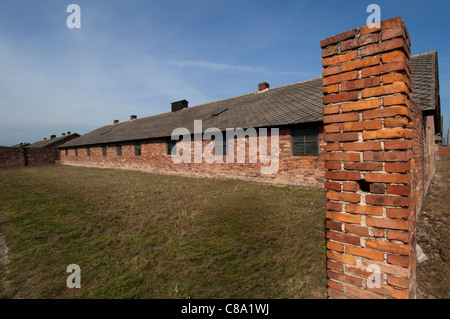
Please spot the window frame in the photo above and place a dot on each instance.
(137, 149)
(170, 144)
(119, 149)
(76, 152)
(88, 151)
(305, 132)
(104, 150)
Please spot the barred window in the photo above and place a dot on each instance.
(171, 144)
(104, 151)
(88, 151)
(137, 150)
(305, 141)
(119, 150)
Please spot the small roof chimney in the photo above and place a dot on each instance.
(115, 122)
(52, 136)
(63, 134)
(263, 86)
(45, 138)
(133, 117)
(68, 133)
(179, 105)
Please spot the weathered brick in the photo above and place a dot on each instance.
(360, 63)
(397, 281)
(344, 157)
(341, 77)
(386, 200)
(333, 186)
(396, 122)
(397, 87)
(386, 112)
(397, 43)
(332, 128)
(339, 118)
(387, 223)
(364, 39)
(390, 247)
(343, 176)
(385, 156)
(398, 260)
(387, 133)
(386, 178)
(364, 252)
(363, 125)
(340, 97)
(346, 218)
(359, 84)
(342, 258)
(361, 105)
(337, 38)
(335, 246)
(344, 197)
(377, 188)
(344, 278)
(364, 210)
(341, 137)
(364, 166)
(397, 212)
(350, 187)
(397, 235)
(334, 88)
(362, 146)
(357, 230)
(333, 206)
(398, 190)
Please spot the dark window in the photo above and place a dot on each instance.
(305, 141)
(119, 150)
(224, 146)
(171, 144)
(76, 152)
(66, 151)
(137, 150)
(88, 151)
(104, 151)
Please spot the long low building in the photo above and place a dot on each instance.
(295, 109)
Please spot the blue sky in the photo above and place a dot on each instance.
(136, 56)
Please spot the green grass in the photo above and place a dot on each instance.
(443, 163)
(139, 235)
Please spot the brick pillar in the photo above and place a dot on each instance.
(370, 217)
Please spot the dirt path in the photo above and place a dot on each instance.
(433, 236)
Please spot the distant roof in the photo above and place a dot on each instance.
(53, 142)
(424, 80)
(290, 104)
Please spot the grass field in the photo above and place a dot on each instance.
(138, 235)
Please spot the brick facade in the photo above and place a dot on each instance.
(23, 156)
(292, 170)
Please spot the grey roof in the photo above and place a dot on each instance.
(53, 142)
(300, 102)
(424, 80)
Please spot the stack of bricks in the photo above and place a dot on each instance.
(368, 128)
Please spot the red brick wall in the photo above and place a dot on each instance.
(11, 156)
(293, 170)
(444, 150)
(20, 156)
(375, 162)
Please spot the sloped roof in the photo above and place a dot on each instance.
(53, 142)
(300, 102)
(424, 80)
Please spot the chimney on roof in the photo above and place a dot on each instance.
(263, 86)
(133, 117)
(63, 134)
(179, 105)
(68, 133)
(115, 122)
(45, 138)
(52, 136)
